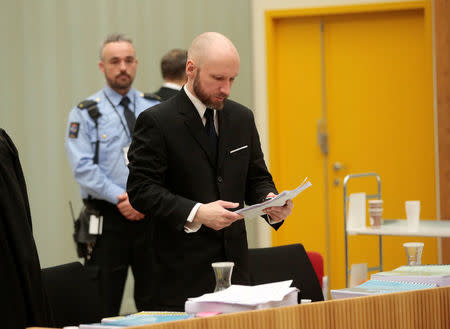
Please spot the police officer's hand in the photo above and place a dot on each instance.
(126, 209)
(215, 215)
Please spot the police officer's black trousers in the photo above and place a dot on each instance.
(123, 243)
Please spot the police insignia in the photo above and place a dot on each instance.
(73, 129)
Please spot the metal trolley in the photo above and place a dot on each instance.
(370, 196)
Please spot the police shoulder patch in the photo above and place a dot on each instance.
(86, 104)
(73, 129)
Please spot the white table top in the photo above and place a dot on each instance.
(398, 227)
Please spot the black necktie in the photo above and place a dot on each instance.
(129, 115)
(211, 130)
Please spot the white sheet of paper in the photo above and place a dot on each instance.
(356, 216)
(125, 154)
(256, 210)
(358, 274)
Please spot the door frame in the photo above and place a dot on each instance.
(266, 12)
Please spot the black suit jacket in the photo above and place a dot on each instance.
(22, 298)
(166, 93)
(172, 169)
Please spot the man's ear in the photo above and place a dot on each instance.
(190, 67)
(101, 66)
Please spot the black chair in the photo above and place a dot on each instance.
(73, 294)
(289, 262)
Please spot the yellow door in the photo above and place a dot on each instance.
(365, 80)
(294, 110)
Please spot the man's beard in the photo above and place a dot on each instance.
(118, 84)
(205, 98)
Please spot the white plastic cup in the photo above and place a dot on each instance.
(412, 209)
(222, 272)
(413, 252)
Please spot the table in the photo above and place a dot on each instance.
(398, 227)
(424, 309)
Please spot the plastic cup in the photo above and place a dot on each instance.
(376, 217)
(412, 209)
(222, 272)
(413, 252)
(375, 204)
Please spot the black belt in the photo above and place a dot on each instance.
(98, 204)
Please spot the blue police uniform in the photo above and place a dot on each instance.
(123, 242)
(108, 179)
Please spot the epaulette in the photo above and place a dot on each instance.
(152, 97)
(91, 106)
(86, 104)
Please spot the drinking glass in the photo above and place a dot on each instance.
(222, 271)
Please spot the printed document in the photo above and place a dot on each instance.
(256, 210)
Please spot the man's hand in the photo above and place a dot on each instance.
(277, 214)
(215, 216)
(126, 209)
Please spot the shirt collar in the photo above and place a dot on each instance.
(115, 97)
(200, 107)
(171, 85)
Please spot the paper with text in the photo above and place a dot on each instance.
(256, 210)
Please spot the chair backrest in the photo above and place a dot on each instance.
(281, 263)
(317, 262)
(73, 294)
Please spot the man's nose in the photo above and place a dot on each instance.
(123, 66)
(225, 88)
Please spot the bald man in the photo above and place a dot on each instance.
(194, 159)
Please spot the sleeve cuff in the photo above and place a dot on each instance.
(189, 226)
(271, 221)
(113, 192)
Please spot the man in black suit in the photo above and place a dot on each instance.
(189, 172)
(173, 70)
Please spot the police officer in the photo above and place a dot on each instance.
(99, 133)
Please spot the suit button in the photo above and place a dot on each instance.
(219, 179)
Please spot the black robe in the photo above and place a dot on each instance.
(22, 298)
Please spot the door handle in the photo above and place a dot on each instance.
(338, 166)
(322, 136)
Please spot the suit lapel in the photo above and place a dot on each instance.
(195, 125)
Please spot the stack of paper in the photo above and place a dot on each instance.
(376, 287)
(402, 278)
(137, 319)
(437, 274)
(244, 298)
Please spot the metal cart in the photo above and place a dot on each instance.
(370, 196)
